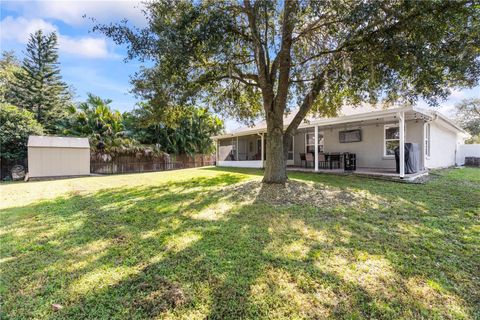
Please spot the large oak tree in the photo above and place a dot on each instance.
(264, 58)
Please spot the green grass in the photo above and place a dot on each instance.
(192, 244)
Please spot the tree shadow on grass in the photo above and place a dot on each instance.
(198, 248)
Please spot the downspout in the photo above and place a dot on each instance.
(316, 148)
(401, 125)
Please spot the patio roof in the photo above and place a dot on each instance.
(348, 114)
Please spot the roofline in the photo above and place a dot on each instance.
(353, 118)
(444, 118)
(62, 147)
(31, 144)
(328, 121)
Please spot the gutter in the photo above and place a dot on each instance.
(326, 121)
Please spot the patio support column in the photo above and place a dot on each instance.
(401, 126)
(263, 148)
(237, 150)
(316, 148)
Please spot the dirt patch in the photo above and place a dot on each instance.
(293, 193)
(160, 295)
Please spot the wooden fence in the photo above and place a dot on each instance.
(133, 164)
(129, 164)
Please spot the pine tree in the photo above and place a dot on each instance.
(39, 87)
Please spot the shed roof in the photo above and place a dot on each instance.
(57, 142)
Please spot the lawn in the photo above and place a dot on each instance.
(203, 243)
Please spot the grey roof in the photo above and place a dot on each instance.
(346, 113)
(347, 110)
(57, 142)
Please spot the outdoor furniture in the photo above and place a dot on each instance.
(349, 161)
(309, 158)
(333, 160)
(322, 161)
(302, 159)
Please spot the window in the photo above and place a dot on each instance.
(290, 149)
(310, 142)
(391, 140)
(427, 139)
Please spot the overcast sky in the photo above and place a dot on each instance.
(91, 62)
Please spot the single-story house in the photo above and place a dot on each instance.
(58, 156)
(370, 134)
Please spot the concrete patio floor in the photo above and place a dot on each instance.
(381, 173)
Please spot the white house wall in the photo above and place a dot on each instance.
(241, 164)
(369, 152)
(443, 146)
(414, 132)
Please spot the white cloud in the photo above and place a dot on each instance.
(85, 47)
(457, 94)
(18, 29)
(72, 12)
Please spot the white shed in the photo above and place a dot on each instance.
(58, 156)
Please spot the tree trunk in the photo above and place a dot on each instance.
(275, 169)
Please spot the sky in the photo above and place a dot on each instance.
(91, 62)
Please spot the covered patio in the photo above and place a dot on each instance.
(362, 144)
(365, 172)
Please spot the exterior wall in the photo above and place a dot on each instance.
(369, 151)
(414, 133)
(241, 164)
(443, 146)
(54, 162)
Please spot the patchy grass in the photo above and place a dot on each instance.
(202, 243)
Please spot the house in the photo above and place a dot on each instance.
(370, 134)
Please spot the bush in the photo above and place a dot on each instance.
(15, 126)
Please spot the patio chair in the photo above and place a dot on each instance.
(302, 159)
(322, 161)
(309, 157)
(334, 160)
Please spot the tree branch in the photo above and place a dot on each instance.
(306, 105)
(284, 56)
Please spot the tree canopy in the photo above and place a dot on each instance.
(9, 65)
(95, 119)
(16, 124)
(249, 58)
(38, 86)
(188, 132)
(468, 116)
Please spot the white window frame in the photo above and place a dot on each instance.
(427, 140)
(321, 142)
(385, 140)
